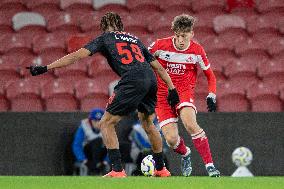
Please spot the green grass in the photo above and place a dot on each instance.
(68, 182)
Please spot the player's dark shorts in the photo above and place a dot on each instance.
(136, 90)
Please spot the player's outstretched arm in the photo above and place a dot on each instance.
(64, 61)
(173, 98)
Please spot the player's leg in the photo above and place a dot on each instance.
(107, 127)
(156, 142)
(174, 141)
(199, 138)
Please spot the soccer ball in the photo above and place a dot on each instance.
(148, 166)
(242, 156)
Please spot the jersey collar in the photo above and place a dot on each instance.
(173, 41)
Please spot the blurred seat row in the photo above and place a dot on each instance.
(63, 95)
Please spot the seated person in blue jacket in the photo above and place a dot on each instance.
(88, 147)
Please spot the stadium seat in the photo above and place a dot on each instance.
(45, 7)
(48, 42)
(63, 23)
(269, 5)
(228, 22)
(77, 7)
(91, 22)
(251, 46)
(264, 98)
(184, 6)
(205, 5)
(147, 39)
(29, 22)
(282, 93)
(72, 73)
(12, 5)
(240, 4)
(24, 96)
(146, 5)
(4, 103)
(231, 97)
(101, 71)
(118, 6)
(6, 22)
(91, 93)
(59, 96)
(212, 45)
(204, 22)
(15, 43)
(262, 23)
(281, 25)
(243, 69)
(41, 79)
(272, 72)
(200, 102)
(275, 46)
(233, 37)
(76, 42)
(8, 70)
(221, 58)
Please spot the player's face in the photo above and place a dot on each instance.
(182, 39)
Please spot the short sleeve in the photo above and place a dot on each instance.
(95, 45)
(203, 60)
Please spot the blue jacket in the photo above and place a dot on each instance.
(84, 134)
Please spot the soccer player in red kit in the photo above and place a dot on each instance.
(181, 57)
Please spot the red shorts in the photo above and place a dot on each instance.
(164, 112)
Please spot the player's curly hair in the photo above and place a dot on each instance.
(183, 23)
(111, 19)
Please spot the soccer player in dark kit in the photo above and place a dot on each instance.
(131, 60)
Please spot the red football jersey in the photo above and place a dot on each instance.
(181, 65)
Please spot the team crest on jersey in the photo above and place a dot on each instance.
(190, 59)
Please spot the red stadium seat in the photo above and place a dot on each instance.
(29, 22)
(63, 23)
(91, 93)
(45, 7)
(100, 70)
(200, 98)
(272, 72)
(8, 70)
(6, 22)
(269, 5)
(221, 58)
(4, 103)
(205, 5)
(239, 4)
(147, 39)
(204, 22)
(212, 45)
(48, 42)
(91, 22)
(182, 5)
(231, 97)
(281, 25)
(251, 46)
(146, 5)
(76, 42)
(15, 43)
(233, 37)
(228, 22)
(24, 96)
(74, 72)
(275, 46)
(262, 23)
(282, 93)
(12, 5)
(77, 7)
(243, 68)
(264, 98)
(59, 96)
(118, 6)
(136, 24)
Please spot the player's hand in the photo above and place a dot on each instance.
(211, 102)
(37, 70)
(173, 98)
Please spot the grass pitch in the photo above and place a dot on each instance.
(71, 182)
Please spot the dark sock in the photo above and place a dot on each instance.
(115, 159)
(159, 161)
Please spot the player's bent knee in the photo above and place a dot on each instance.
(171, 140)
